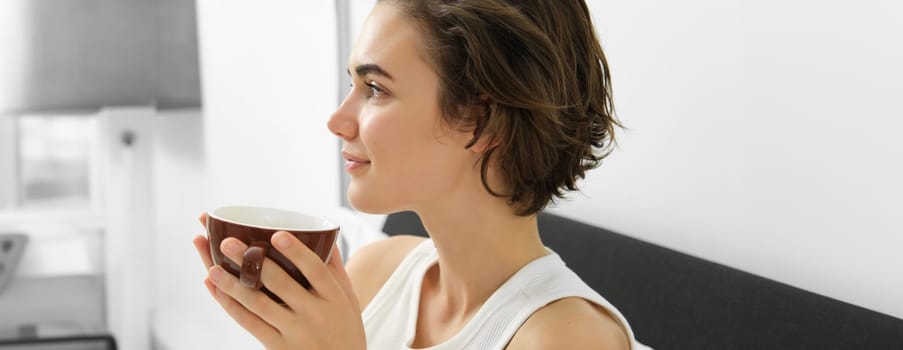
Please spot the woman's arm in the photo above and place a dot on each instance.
(570, 323)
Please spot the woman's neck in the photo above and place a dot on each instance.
(479, 247)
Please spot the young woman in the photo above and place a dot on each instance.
(474, 114)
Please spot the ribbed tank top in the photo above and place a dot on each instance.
(391, 317)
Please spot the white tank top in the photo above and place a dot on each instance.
(391, 317)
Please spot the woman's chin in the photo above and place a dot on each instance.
(367, 202)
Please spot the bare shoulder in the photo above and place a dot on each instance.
(570, 323)
(371, 265)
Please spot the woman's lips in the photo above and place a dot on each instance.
(353, 162)
(351, 165)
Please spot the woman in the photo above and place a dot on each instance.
(475, 115)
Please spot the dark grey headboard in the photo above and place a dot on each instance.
(676, 301)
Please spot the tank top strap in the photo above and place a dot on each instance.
(408, 274)
(539, 283)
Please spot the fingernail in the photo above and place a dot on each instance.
(282, 240)
(216, 274)
(230, 247)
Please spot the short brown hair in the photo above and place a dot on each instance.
(539, 75)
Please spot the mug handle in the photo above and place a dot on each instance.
(252, 264)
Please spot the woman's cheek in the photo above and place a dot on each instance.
(381, 133)
(371, 126)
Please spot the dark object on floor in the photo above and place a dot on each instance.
(11, 247)
(87, 342)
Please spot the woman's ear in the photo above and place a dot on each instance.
(481, 144)
(483, 135)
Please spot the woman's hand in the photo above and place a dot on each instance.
(325, 317)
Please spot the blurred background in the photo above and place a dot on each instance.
(762, 135)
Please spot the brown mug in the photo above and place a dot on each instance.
(254, 226)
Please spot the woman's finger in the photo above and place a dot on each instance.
(261, 330)
(210, 287)
(251, 300)
(310, 264)
(337, 268)
(273, 277)
(203, 248)
(203, 219)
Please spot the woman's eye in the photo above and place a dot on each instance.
(375, 91)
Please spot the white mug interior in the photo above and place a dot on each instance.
(270, 218)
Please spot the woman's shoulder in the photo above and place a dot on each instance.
(371, 265)
(570, 323)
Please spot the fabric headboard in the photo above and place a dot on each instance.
(677, 301)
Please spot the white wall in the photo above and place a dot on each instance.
(179, 200)
(269, 86)
(764, 135)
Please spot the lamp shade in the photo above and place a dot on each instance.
(92, 53)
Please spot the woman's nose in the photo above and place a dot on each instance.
(343, 122)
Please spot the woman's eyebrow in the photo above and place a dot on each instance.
(370, 68)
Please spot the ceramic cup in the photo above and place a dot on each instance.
(254, 226)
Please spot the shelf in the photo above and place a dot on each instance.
(76, 302)
(40, 220)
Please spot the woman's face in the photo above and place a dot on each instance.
(399, 153)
